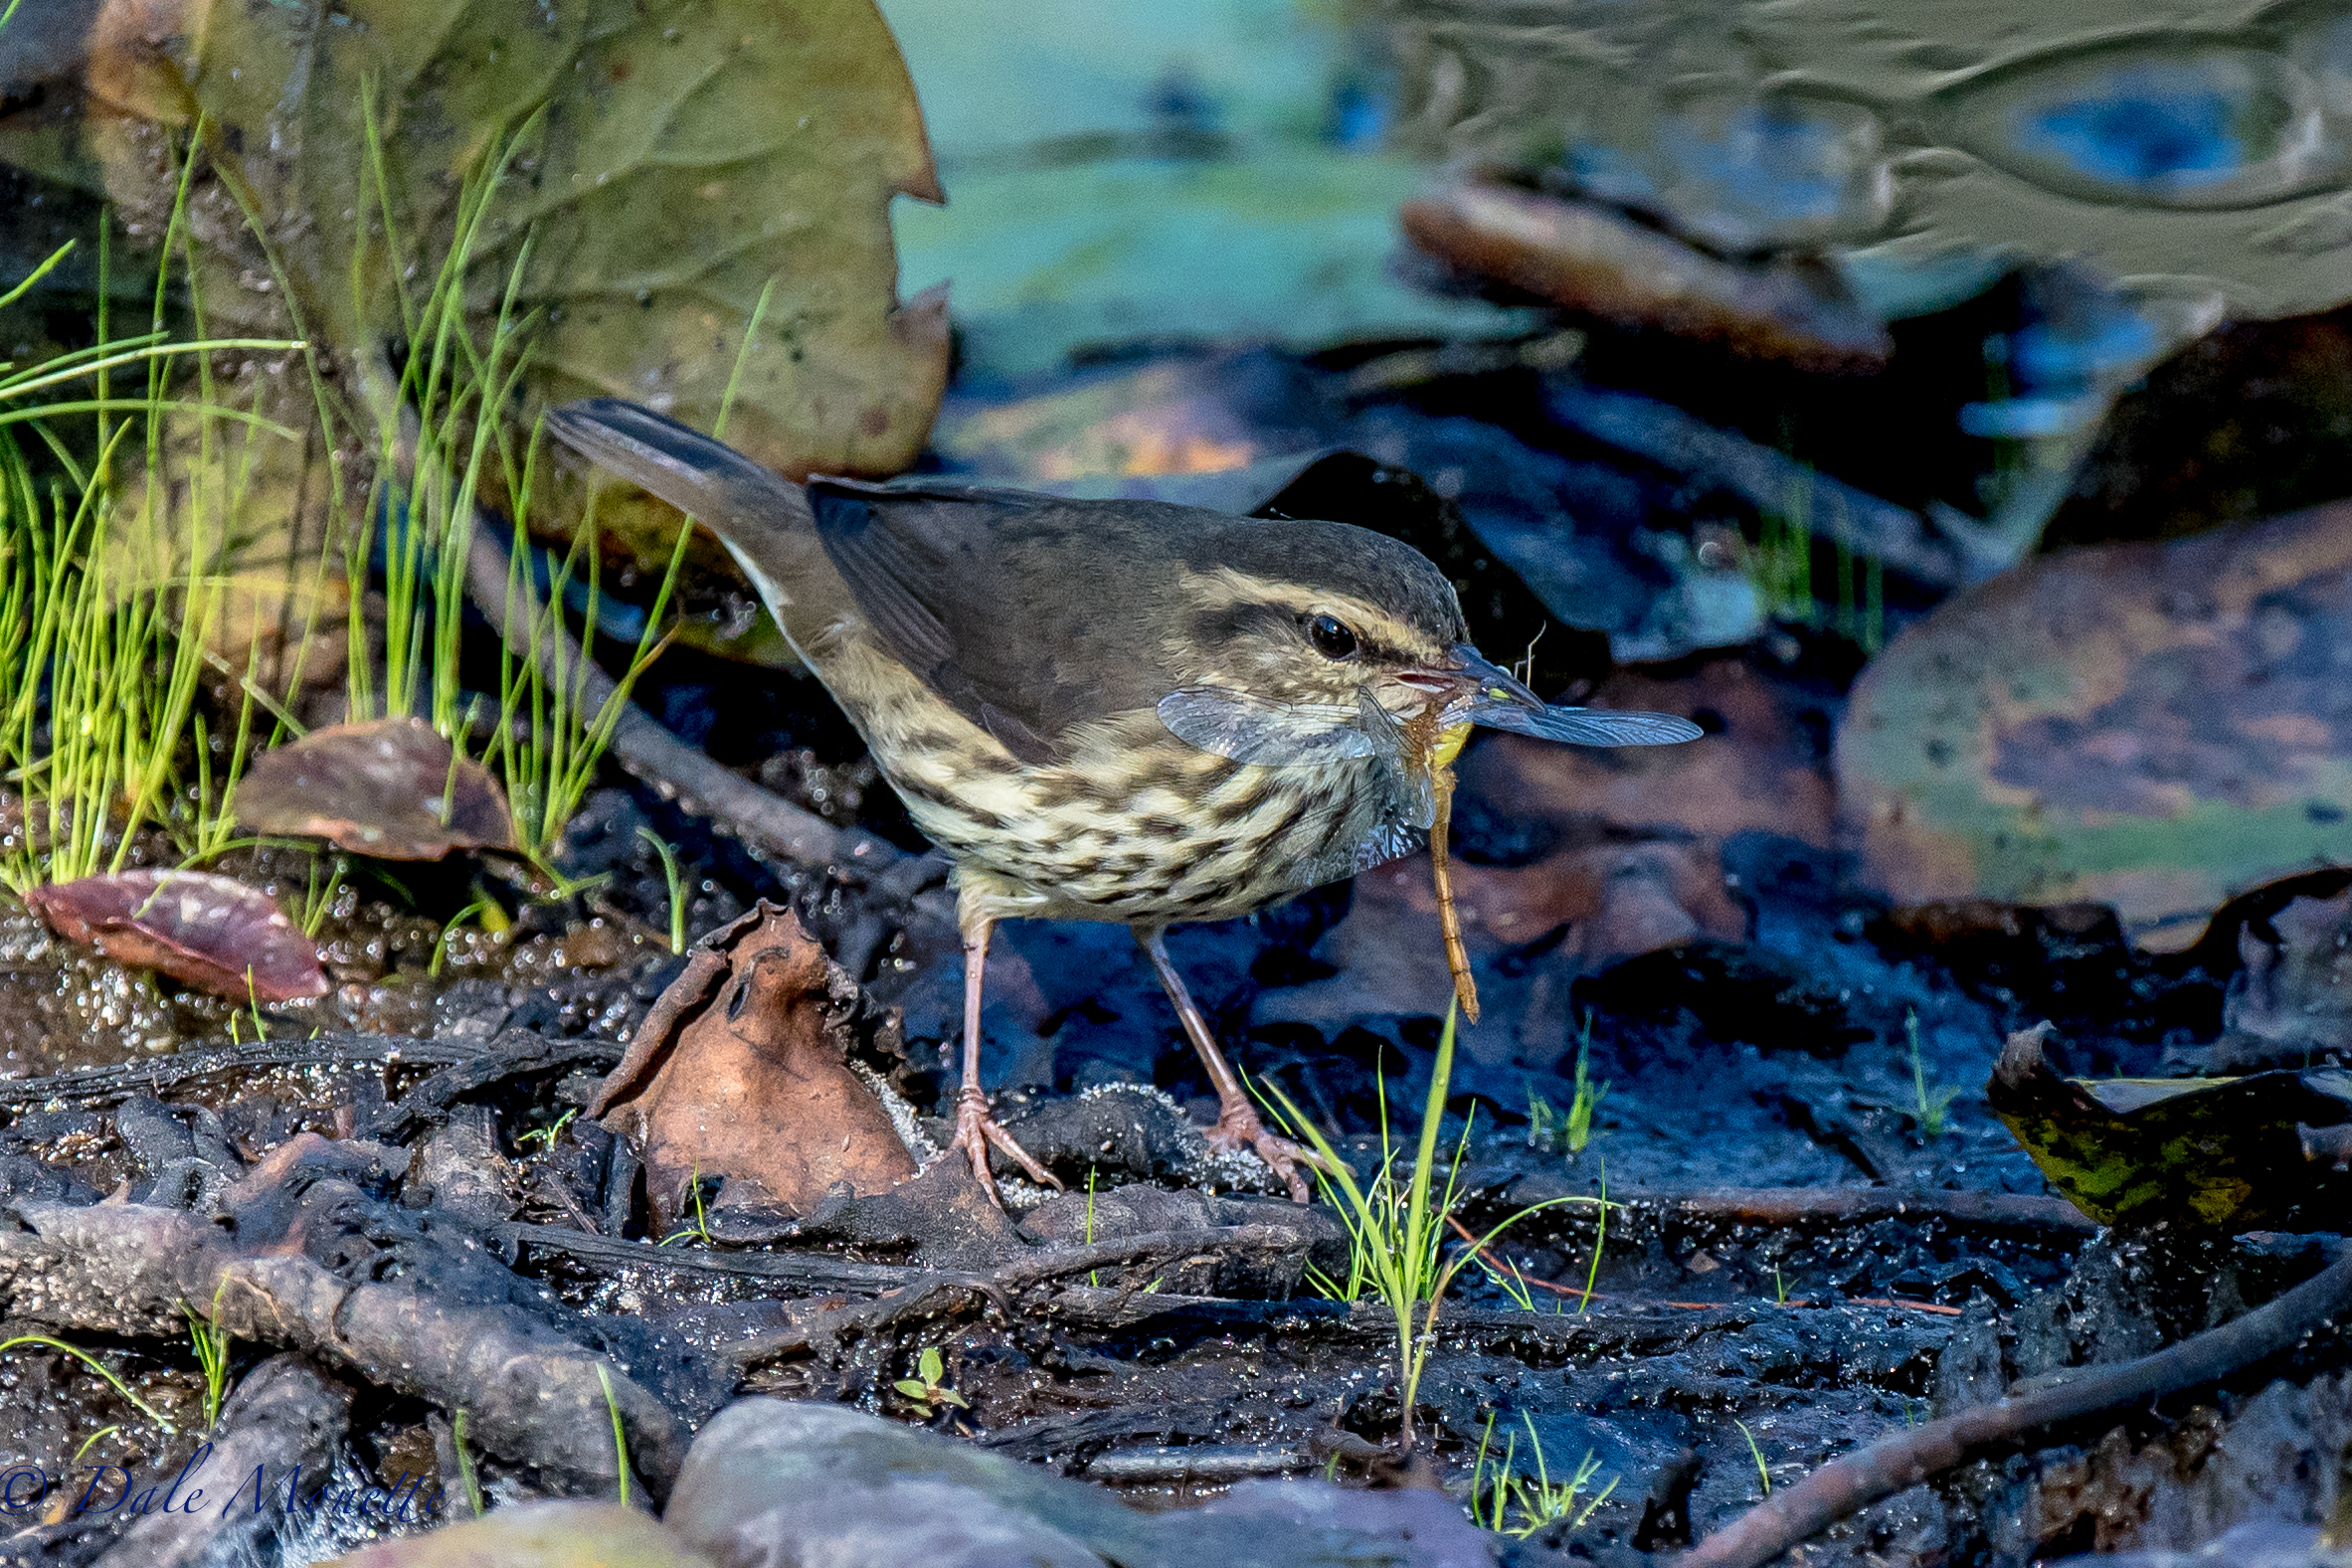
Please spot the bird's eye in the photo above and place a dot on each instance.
(1330, 638)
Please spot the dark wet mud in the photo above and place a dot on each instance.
(1688, 952)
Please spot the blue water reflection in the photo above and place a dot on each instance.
(2165, 125)
(2162, 126)
(1750, 174)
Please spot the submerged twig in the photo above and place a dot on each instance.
(1821, 1208)
(102, 1085)
(461, 1339)
(1909, 1457)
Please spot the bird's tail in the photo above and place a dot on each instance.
(762, 517)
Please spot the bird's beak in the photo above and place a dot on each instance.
(1470, 686)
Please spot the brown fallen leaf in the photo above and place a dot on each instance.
(2074, 957)
(2291, 1001)
(390, 788)
(206, 931)
(1591, 906)
(1592, 259)
(740, 1071)
(1761, 767)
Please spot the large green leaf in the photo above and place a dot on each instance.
(678, 158)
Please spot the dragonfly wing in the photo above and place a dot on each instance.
(1245, 729)
(1585, 725)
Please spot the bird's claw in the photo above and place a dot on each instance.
(1238, 1126)
(975, 1130)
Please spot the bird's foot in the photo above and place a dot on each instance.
(975, 1130)
(1238, 1126)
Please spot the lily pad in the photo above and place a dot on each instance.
(1205, 172)
(392, 788)
(205, 931)
(2217, 1153)
(2157, 727)
(679, 159)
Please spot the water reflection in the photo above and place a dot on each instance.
(2209, 126)
(2213, 153)
(1746, 174)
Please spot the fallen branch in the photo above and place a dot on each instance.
(816, 1272)
(681, 774)
(311, 1263)
(924, 1291)
(1769, 480)
(515, 1053)
(101, 1086)
(823, 1272)
(285, 1419)
(1904, 1460)
(1789, 1208)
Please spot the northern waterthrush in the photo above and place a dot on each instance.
(1113, 710)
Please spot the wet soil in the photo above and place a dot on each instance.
(1796, 1034)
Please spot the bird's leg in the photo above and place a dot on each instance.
(1238, 1125)
(975, 1130)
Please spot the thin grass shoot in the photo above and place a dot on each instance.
(1932, 1106)
(1763, 1470)
(619, 1436)
(1396, 1222)
(465, 1454)
(113, 1380)
(677, 887)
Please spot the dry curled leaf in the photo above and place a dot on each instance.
(740, 1071)
(206, 931)
(390, 788)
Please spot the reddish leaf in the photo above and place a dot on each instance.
(377, 790)
(209, 931)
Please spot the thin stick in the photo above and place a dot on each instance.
(682, 774)
(1905, 1459)
(1449, 919)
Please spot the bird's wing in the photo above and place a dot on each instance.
(1028, 614)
